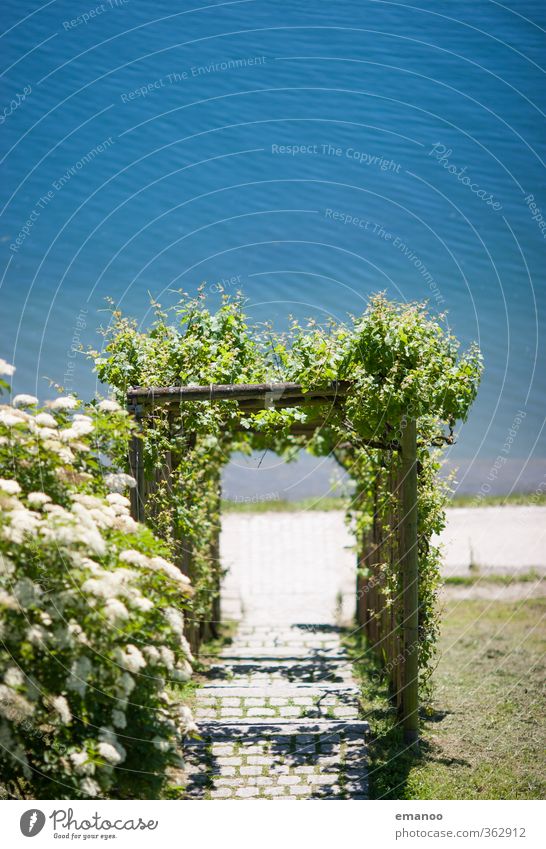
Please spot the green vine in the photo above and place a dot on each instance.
(399, 363)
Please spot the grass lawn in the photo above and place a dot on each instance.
(485, 734)
(339, 503)
(280, 506)
(496, 578)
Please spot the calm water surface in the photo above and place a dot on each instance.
(307, 153)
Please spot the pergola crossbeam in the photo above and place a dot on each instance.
(262, 395)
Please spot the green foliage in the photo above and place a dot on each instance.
(199, 348)
(399, 363)
(91, 624)
(406, 364)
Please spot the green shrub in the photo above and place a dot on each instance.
(92, 650)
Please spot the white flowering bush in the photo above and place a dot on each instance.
(92, 650)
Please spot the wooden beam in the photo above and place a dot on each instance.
(273, 403)
(264, 392)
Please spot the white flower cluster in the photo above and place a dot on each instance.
(86, 617)
(118, 482)
(108, 406)
(67, 402)
(9, 486)
(156, 564)
(24, 401)
(6, 370)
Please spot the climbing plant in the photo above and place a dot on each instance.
(198, 347)
(396, 362)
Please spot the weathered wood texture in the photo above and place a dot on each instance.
(391, 624)
(410, 572)
(258, 392)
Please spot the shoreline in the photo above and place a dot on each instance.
(268, 504)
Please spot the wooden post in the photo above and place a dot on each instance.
(217, 565)
(361, 583)
(398, 637)
(136, 469)
(375, 583)
(161, 475)
(410, 571)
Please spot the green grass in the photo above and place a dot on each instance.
(212, 649)
(279, 506)
(483, 736)
(538, 499)
(504, 580)
(187, 692)
(341, 503)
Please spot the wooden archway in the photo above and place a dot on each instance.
(142, 401)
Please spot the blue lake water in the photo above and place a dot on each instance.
(308, 154)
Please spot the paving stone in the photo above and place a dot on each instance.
(299, 790)
(247, 792)
(320, 779)
(250, 770)
(290, 711)
(275, 791)
(231, 711)
(222, 793)
(279, 769)
(222, 750)
(345, 711)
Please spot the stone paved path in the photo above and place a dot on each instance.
(279, 714)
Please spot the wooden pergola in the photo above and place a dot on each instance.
(141, 402)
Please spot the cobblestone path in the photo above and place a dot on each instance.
(279, 714)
